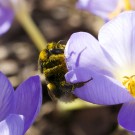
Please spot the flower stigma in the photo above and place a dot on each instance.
(129, 83)
(123, 5)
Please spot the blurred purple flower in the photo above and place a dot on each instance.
(19, 108)
(110, 62)
(106, 9)
(6, 16)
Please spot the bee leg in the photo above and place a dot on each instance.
(80, 84)
(51, 87)
(52, 96)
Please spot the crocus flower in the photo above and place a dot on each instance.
(106, 9)
(6, 16)
(107, 65)
(18, 108)
(8, 10)
(19, 9)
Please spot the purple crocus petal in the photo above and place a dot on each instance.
(6, 18)
(12, 125)
(117, 37)
(83, 50)
(6, 97)
(126, 116)
(98, 7)
(28, 100)
(98, 89)
(73, 76)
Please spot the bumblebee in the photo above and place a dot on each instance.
(52, 64)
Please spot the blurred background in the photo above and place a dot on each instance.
(57, 20)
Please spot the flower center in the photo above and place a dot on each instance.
(129, 83)
(122, 5)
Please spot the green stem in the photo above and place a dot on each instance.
(27, 23)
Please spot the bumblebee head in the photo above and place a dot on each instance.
(52, 49)
(55, 48)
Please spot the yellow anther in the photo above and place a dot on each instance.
(122, 5)
(127, 4)
(129, 83)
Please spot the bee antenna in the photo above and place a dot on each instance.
(60, 41)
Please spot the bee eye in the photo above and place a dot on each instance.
(57, 51)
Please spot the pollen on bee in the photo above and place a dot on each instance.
(129, 83)
(51, 86)
(42, 55)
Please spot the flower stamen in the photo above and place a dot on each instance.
(129, 83)
(127, 5)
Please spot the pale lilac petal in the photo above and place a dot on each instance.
(78, 75)
(6, 97)
(82, 4)
(117, 37)
(98, 7)
(100, 89)
(6, 18)
(83, 50)
(12, 125)
(126, 116)
(28, 99)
